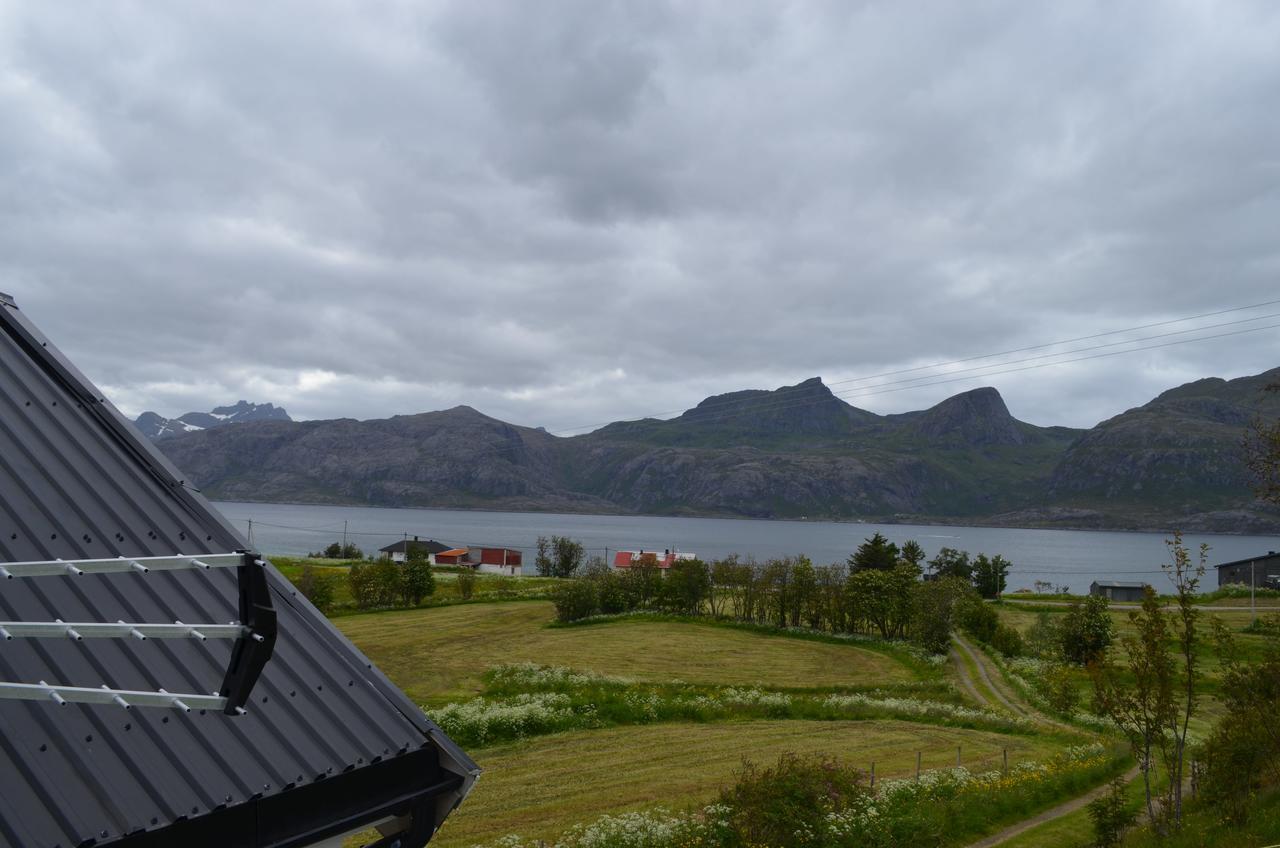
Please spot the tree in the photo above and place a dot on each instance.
(1242, 754)
(559, 556)
(1086, 631)
(337, 550)
(952, 563)
(1142, 705)
(876, 554)
(1262, 455)
(912, 553)
(935, 602)
(417, 582)
(1185, 576)
(686, 587)
(990, 575)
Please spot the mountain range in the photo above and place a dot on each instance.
(795, 452)
(155, 426)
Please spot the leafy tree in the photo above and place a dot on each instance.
(976, 617)
(686, 586)
(804, 594)
(1242, 753)
(912, 553)
(1262, 455)
(559, 556)
(416, 582)
(935, 602)
(874, 554)
(611, 592)
(952, 563)
(337, 550)
(1186, 577)
(990, 575)
(1140, 697)
(1086, 631)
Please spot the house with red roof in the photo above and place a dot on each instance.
(624, 560)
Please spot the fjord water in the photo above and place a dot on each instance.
(1073, 558)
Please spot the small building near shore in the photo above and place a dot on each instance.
(1262, 571)
(397, 551)
(1126, 591)
(624, 560)
(453, 556)
(506, 561)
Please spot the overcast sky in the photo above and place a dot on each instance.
(565, 213)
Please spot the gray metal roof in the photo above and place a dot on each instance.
(1121, 584)
(1260, 558)
(78, 481)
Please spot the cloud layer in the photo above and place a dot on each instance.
(573, 212)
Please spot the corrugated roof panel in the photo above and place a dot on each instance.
(72, 487)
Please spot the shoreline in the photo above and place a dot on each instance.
(892, 520)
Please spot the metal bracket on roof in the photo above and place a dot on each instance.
(253, 648)
(255, 633)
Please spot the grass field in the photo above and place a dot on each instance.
(537, 788)
(438, 655)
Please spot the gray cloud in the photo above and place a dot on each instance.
(573, 212)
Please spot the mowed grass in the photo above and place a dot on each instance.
(541, 787)
(438, 655)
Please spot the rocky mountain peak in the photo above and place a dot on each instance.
(978, 417)
(155, 426)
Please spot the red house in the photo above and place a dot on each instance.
(500, 561)
(664, 560)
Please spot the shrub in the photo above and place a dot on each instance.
(977, 618)
(318, 587)
(1111, 815)
(1060, 689)
(1008, 641)
(612, 596)
(574, 599)
(466, 584)
(770, 806)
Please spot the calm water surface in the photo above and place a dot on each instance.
(1064, 557)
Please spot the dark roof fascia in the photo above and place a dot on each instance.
(121, 429)
(344, 803)
(1261, 558)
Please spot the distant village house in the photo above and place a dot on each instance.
(397, 552)
(1125, 591)
(500, 561)
(453, 556)
(1262, 571)
(624, 560)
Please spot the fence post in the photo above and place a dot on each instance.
(1005, 752)
(957, 756)
(917, 766)
(873, 774)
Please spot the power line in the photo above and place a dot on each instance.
(567, 430)
(771, 404)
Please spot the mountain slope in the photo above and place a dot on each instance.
(799, 451)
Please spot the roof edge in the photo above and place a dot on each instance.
(7, 300)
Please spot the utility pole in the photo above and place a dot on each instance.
(344, 536)
(250, 532)
(1253, 581)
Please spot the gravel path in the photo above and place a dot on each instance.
(1048, 815)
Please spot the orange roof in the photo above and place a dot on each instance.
(453, 552)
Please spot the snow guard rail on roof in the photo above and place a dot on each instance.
(255, 633)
